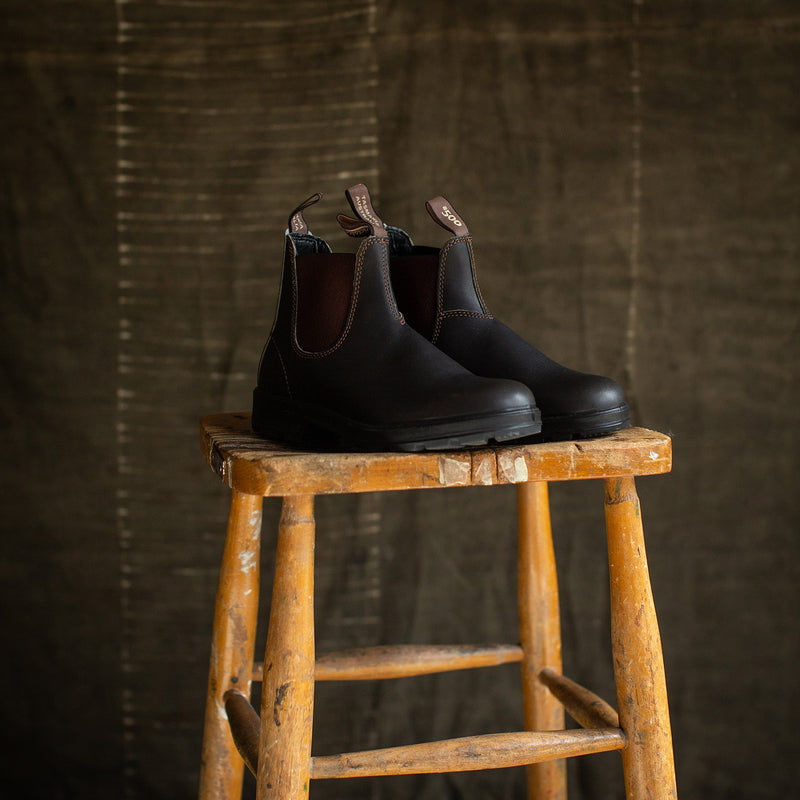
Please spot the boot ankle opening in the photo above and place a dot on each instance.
(324, 290)
(400, 243)
(414, 282)
(306, 243)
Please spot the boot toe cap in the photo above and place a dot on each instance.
(579, 393)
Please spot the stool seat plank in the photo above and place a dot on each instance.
(253, 465)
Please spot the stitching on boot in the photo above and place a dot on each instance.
(283, 368)
(293, 265)
(473, 314)
(437, 328)
(475, 277)
(387, 283)
(440, 315)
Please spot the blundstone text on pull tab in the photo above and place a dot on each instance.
(444, 214)
(296, 222)
(358, 197)
(365, 211)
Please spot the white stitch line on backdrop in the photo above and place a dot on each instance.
(124, 395)
(636, 199)
(156, 195)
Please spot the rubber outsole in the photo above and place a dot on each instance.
(316, 428)
(587, 425)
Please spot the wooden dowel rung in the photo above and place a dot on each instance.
(585, 707)
(489, 751)
(245, 724)
(403, 661)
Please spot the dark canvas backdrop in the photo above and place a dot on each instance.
(630, 172)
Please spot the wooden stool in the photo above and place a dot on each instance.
(277, 747)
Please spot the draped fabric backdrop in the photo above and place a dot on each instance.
(630, 172)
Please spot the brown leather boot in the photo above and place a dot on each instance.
(437, 291)
(342, 369)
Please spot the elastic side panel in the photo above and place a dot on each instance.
(324, 289)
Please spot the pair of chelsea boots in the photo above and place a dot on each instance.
(393, 348)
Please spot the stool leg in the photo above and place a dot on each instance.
(232, 645)
(638, 661)
(287, 701)
(540, 632)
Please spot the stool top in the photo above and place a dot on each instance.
(253, 465)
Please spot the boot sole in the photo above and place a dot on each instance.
(587, 425)
(312, 427)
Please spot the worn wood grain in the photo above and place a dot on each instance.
(287, 695)
(585, 707)
(403, 661)
(232, 645)
(636, 645)
(254, 465)
(490, 751)
(245, 728)
(540, 632)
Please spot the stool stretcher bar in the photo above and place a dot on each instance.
(585, 707)
(489, 751)
(405, 661)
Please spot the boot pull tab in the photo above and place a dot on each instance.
(444, 214)
(296, 222)
(353, 227)
(358, 197)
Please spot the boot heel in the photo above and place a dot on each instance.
(274, 418)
